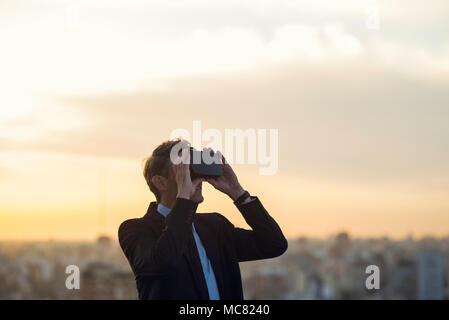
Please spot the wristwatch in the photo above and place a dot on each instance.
(242, 198)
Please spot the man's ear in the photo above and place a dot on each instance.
(160, 182)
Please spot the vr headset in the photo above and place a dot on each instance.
(209, 169)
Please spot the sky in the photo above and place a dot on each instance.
(358, 91)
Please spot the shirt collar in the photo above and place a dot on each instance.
(163, 209)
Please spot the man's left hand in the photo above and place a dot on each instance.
(228, 182)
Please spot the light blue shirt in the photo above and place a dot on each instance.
(209, 275)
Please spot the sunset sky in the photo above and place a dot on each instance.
(89, 88)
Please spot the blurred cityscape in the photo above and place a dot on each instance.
(332, 268)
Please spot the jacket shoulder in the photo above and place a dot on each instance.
(130, 226)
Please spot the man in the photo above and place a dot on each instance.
(176, 253)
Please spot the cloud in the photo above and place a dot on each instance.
(359, 103)
(128, 45)
(350, 121)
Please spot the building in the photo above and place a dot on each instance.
(430, 276)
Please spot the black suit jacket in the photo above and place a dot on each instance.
(164, 257)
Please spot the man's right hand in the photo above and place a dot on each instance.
(186, 187)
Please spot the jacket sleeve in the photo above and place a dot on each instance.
(156, 256)
(264, 241)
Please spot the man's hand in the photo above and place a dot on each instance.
(186, 187)
(228, 182)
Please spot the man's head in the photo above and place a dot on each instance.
(159, 175)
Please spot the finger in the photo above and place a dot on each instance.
(197, 181)
(212, 181)
(185, 156)
(208, 150)
(174, 168)
(185, 169)
(179, 166)
(222, 158)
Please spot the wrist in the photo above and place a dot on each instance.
(235, 193)
(244, 198)
(183, 194)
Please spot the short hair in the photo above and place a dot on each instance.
(158, 164)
